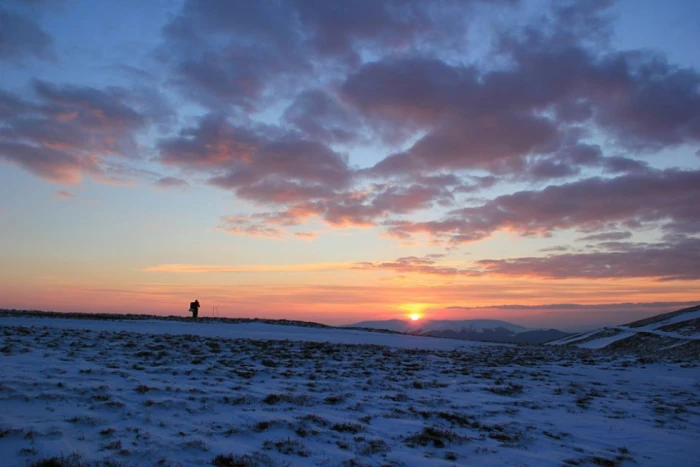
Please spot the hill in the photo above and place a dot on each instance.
(675, 334)
(483, 330)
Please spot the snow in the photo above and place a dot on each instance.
(249, 331)
(142, 392)
(672, 320)
(605, 341)
(572, 339)
(625, 332)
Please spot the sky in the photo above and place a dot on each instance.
(339, 161)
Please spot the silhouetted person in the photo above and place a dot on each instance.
(194, 309)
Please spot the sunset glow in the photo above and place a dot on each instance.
(459, 160)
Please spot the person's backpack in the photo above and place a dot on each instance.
(193, 306)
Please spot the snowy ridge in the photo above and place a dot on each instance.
(677, 332)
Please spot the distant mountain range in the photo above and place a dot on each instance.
(485, 330)
(675, 334)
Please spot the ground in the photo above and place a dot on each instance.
(159, 393)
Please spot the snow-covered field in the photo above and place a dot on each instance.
(175, 393)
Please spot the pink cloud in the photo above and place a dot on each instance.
(415, 265)
(64, 194)
(209, 268)
(306, 235)
(242, 225)
(265, 166)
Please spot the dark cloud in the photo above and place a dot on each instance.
(11, 105)
(498, 145)
(21, 38)
(666, 261)
(415, 90)
(676, 260)
(224, 54)
(70, 131)
(607, 236)
(558, 85)
(45, 162)
(322, 117)
(334, 28)
(240, 52)
(669, 197)
(498, 120)
(171, 182)
(620, 164)
(547, 169)
(557, 248)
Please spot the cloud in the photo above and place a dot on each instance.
(529, 115)
(670, 261)
(248, 226)
(620, 164)
(306, 235)
(259, 164)
(64, 194)
(243, 53)
(607, 236)
(673, 260)
(304, 178)
(47, 163)
(340, 76)
(666, 197)
(321, 116)
(358, 208)
(547, 169)
(229, 54)
(204, 268)
(71, 131)
(655, 307)
(21, 38)
(416, 265)
(11, 105)
(557, 248)
(171, 182)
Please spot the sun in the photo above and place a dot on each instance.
(414, 311)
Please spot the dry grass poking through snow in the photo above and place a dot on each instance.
(78, 398)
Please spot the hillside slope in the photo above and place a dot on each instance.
(670, 334)
(482, 330)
